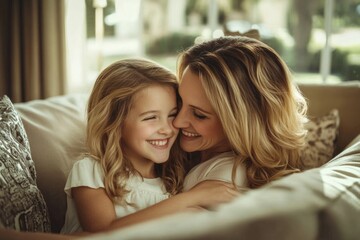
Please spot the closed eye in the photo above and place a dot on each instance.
(149, 118)
(199, 115)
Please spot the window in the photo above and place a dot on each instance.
(317, 39)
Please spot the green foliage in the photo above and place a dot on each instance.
(275, 43)
(171, 44)
(338, 62)
(340, 65)
(285, 52)
(352, 72)
(345, 13)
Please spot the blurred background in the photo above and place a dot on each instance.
(318, 39)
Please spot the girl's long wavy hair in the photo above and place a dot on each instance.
(108, 106)
(261, 109)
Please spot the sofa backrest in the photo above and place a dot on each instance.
(345, 97)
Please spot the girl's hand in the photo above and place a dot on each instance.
(211, 193)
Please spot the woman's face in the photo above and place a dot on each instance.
(201, 129)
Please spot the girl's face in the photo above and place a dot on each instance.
(148, 131)
(201, 129)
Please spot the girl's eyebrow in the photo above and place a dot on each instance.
(156, 111)
(200, 109)
(149, 112)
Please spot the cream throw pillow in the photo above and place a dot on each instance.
(320, 140)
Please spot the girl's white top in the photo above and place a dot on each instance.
(217, 168)
(87, 172)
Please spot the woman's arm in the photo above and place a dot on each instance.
(96, 211)
(202, 195)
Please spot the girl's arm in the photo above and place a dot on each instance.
(96, 211)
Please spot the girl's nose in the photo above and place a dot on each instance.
(166, 128)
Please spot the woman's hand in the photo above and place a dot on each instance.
(211, 193)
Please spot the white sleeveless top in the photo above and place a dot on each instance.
(88, 173)
(217, 168)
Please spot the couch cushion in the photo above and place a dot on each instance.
(56, 131)
(22, 205)
(320, 140)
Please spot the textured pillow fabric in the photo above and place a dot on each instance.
(320, 140)
(22, 205)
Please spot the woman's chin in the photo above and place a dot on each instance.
(187, 147)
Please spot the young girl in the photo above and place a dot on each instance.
(129, 140)
(130, 174)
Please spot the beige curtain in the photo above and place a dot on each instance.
(32, 49)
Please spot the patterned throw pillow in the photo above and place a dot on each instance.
(22, 206)
(320, 140)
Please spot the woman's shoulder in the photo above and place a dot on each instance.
(219, 167)
(222, 167)
(226, 159)
(225, 156)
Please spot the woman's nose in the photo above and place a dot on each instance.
(181, 119)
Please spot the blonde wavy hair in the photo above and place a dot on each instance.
(261, 110)
(108, 106)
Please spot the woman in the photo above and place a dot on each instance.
(241, 113)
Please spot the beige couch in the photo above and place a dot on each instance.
(316, 204)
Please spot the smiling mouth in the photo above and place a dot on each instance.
(159, 143)
(189, 134)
